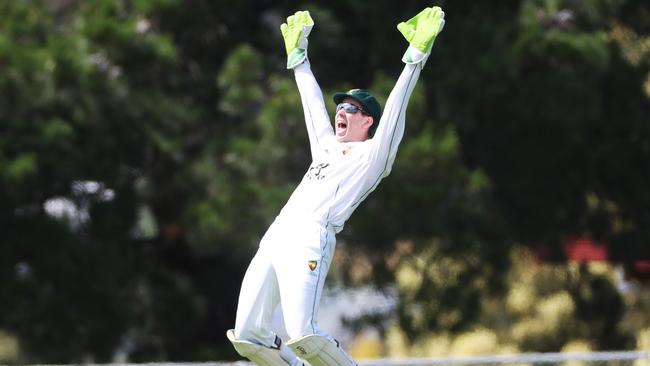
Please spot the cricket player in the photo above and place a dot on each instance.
(349, 159)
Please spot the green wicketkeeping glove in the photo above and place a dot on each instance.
(420, 31)
(295, 32)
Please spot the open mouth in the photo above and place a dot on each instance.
(341, 127)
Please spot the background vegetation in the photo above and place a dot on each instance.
(145, 145)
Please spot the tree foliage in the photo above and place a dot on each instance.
(145, 145)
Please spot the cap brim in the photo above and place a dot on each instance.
(339, 97)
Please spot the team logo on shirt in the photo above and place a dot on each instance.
(317, 172)
(312, 265)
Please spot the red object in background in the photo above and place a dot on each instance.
(642, 266)
(585, 249)
(640, 270)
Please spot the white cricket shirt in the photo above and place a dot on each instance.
(342, 174)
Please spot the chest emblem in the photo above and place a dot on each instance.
(345, 150)
(317, 172)
(312, 265)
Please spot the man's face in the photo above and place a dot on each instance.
(351, 127)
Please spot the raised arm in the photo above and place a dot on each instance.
(319, 128)
(391, 126)
(421, 32)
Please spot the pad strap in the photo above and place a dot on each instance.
(320, 351)
(276, 355)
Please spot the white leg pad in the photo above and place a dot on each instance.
(261, 355)
(320, 351)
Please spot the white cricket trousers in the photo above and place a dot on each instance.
(288, 269)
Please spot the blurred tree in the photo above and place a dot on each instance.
(145, 145)
(93, 111)
(560, 126)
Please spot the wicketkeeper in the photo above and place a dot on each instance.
(349, 159)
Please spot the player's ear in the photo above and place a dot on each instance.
(367, 123)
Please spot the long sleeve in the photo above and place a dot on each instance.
(319, 126)
(390, 131)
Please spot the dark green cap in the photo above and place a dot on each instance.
(369, 104)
